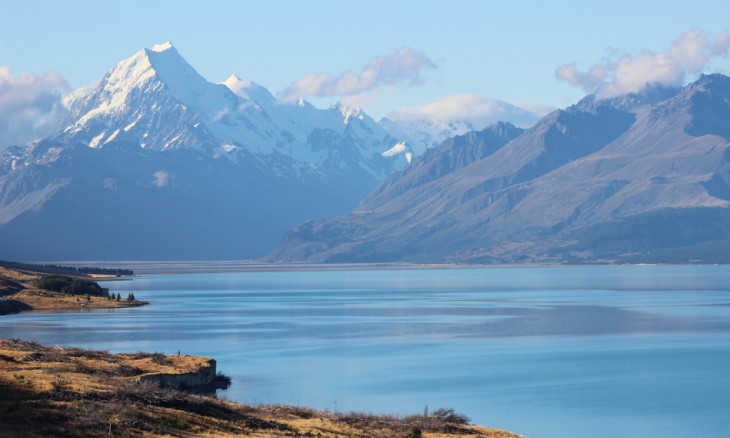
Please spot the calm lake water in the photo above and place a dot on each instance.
(544, 352)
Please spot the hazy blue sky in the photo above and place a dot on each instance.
(427, 50)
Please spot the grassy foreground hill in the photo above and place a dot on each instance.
(70, 392)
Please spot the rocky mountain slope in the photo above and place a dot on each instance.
(641, 177)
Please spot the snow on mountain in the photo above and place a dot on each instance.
(423, 134)
(308, 125)
(427, 126)
(157, 99)
(398, 149)
(249, 90)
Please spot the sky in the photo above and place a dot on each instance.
(403, 59)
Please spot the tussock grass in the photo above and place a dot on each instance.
(70, 392)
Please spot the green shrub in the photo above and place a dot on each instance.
(415, 433)
(449, 415)
(54, 283)
(73, 286)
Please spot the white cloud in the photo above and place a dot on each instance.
(688, 55)
(480, 111)
(404, 66)
(30, 105)
(588, 80)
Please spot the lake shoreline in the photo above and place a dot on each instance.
(241, 266)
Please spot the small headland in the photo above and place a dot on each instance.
(22, 290)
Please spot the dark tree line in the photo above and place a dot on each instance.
(65, 270)
(118, 296)
(73, 286)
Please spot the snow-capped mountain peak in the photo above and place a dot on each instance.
(163, 63)
(232, 81)
(248, 90)
(167, 45)
(171, 66)
(158, 100)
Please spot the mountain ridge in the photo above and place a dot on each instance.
(532, 200)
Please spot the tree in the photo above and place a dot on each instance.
(130, 297)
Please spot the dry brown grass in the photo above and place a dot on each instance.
(54, 391)
(20, 276)
(89, 370)
(49, 301)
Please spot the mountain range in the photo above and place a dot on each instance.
(638, 178)
(156, 162)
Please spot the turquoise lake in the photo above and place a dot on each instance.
(544, 351)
